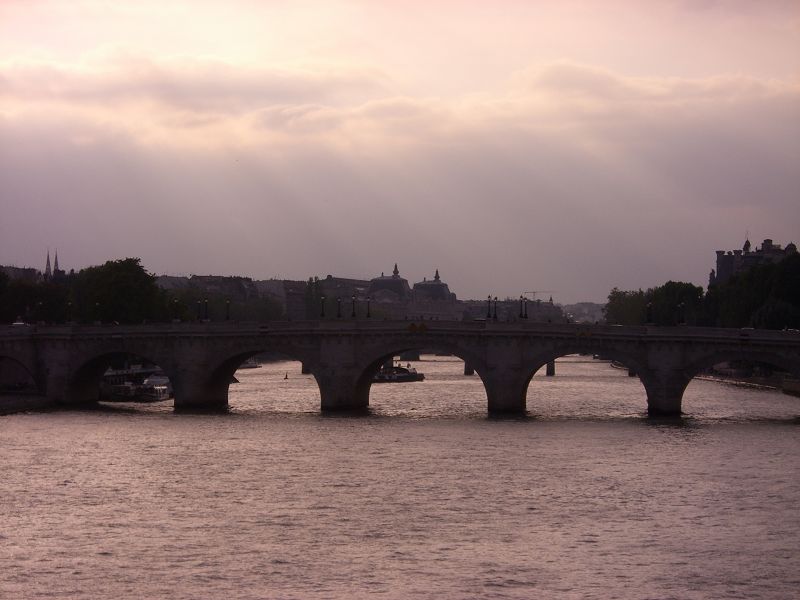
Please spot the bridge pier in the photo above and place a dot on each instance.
(506, 392)
(61, 391)
(665, 393)
(194, 391)
(468, 369)
(550, 370)
(342, 391)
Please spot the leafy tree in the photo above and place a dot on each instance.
(674, 303)
(33, 301)
(625, 308)
(120, 291)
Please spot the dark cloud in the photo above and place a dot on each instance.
(576, 180)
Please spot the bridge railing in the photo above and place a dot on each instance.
(343, 326)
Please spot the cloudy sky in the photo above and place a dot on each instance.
(515, 146)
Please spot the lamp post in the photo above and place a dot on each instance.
(97, 312)
(338, 307)
(205, 309)
(322, 307)
(495, 308)
(175, 309)
(489, 306)
(368, 313)
(525, 308)
(69, 311)
(199, 308)
(353, 313)
(227, 309)
(520, 306)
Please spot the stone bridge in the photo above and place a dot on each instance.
(67, 362)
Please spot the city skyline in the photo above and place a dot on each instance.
(560, 146)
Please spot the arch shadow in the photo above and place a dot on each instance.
(16, 378)
(119, 376)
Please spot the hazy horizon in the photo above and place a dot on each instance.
(514, 146)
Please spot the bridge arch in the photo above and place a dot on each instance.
(789, 362)
(704, 361)
(16, 376)
(378, 355)
(627, 357)
(224, 365)
(84, 382)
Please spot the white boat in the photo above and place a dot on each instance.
(122, 391)
(397, 374)
(154, 393)
(155, 387)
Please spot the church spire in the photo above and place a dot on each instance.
(396, 271)
(55, 262)
(47, 271)
(436, 277)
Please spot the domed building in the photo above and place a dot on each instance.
(393, 298)
(389, 288)
(434, 290)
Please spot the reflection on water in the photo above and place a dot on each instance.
(425, 497)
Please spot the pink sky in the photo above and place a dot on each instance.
(572, 146)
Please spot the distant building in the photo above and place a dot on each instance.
(392, 297)
(389, 297)
(508, 309)
(31, 275)
(585, 312)
(28, 274)
(54, 274)
(390, 289)
(733, 262)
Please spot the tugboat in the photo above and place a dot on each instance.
(396, 374)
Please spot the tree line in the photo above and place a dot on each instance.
(765, 296)
(120, 291)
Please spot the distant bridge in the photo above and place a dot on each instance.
(67, 362)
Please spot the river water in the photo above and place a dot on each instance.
(425, 497)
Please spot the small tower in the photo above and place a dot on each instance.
(55, 262)
(396, 271)
(47, 271)
(747, 245)
(436, 277)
